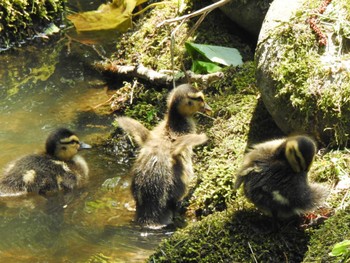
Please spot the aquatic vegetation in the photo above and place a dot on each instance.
(22, 19)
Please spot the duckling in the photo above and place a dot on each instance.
(163, 167)
(274, 175)
(59, 167)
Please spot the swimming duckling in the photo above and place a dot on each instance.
(163, 167)
(274, 174)
(59, 167)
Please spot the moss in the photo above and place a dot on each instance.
(22, 19)
(151, 45)
(141, 102)
(230, 237)
(336, 229)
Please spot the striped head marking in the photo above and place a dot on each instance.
(62, 144)
(300, 152)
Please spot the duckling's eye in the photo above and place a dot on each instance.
(71, 142)
(190, 103)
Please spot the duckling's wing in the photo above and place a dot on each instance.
(135, 128)
(182, 142)
(238, 182)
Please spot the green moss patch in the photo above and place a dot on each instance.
(335, 230)
(233, 237)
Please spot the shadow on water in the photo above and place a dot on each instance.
(41, 88)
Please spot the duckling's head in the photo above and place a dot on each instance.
(63, 144)
(186, 100)
(300, 152)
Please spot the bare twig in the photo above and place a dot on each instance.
(196, 13)
(132, 91)
(150, 6)
(251, 250)
(103, 103)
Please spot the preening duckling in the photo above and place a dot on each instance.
(163, 167)
(59, 167)
(274, 174)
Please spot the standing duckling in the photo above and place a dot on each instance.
(274, 174)
(59, 167)
(163, 167)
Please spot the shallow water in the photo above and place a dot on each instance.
(43, 87)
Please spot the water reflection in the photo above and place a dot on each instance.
(42, 88)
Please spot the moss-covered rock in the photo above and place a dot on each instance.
(304, 84)
(23, 19)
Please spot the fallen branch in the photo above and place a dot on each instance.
(159, 78)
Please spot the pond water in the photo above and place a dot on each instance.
(47, 86)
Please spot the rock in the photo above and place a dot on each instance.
(249, 14)
(306, 86)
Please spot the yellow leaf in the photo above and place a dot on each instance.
(115, 15)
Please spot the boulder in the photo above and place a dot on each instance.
(248, 14)
(303, 68)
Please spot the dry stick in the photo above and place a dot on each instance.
(196, 25)
(153, 76)
(251, 250)
(342, 206)
(132, 90)
(149, 6)
(103, 103)
(196, 13)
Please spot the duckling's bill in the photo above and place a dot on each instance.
(83, 145)
(207, 109)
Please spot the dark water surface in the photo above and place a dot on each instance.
(43, 87)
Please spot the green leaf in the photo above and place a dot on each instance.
(217, 54)
(203, 67)
(341, 248)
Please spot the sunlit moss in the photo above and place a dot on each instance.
(336, 229)
(232, 237)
